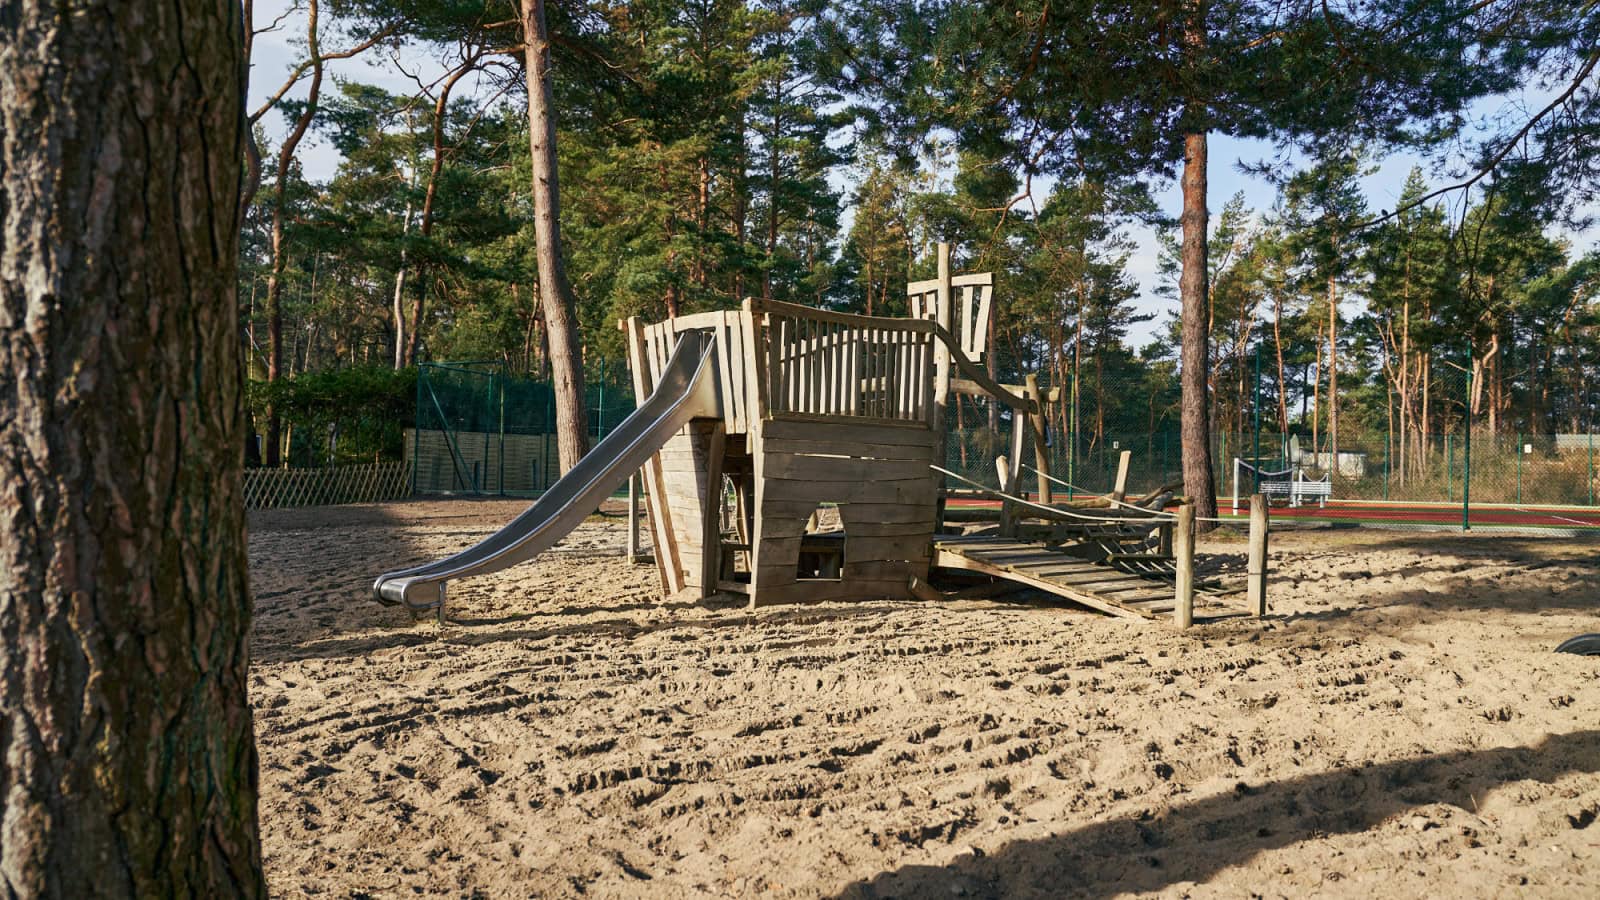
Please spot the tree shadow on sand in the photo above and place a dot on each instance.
(1195, 841)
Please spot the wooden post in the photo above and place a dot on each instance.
(711, 512)
(1184, 545)
(941, 353)
(1120, 492)
(1002, 467)
(1041, 455)
(1019, 442)
(1257, 590)
(633, 517)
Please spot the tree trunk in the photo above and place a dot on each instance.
(1283, 384)
(125, 728)
(441, 107)
(1317, 408)
(1333, 377)
(774, 173)
(560, 306)
(279, 249)
(400, 292)
(1198, 482)
(741, 209)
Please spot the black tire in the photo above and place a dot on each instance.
(1583, 645)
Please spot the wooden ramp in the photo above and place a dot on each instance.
(1095, 585)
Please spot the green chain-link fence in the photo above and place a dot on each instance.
(481, 430)
(1415, 449)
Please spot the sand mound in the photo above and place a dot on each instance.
(1399, 728)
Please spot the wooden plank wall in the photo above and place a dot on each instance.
(689, 478)
(878, 473)
(732, 329)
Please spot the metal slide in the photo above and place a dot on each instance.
(687, 390)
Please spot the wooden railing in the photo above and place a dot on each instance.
(819, 362)
(365, 483)
(831, 363)
(778, 358)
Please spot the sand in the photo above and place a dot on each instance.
(1399, 727)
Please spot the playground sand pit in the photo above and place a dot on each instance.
(1400, 727)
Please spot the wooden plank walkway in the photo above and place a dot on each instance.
(1097, 586)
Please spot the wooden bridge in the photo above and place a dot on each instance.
(1133, 585)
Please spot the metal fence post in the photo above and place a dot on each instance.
(1518, 450)
(416, 432)
(1466, 452)
(600, 406)
(502, 475)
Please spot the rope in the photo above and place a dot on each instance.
(1073, 487)
(1054, 511)
(1244, 465)
(1152, 512)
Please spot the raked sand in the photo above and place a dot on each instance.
(1399, 727)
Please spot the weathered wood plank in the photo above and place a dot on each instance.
(825, 591)
(794, 465)
(847, 430)
(946, 559)
(822, 444)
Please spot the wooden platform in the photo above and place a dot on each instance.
(1095, 585)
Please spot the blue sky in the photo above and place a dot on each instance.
(276, 52)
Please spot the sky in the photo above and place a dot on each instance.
(276, 52)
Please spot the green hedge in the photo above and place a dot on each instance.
(341, 415)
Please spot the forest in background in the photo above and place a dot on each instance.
(710, 151)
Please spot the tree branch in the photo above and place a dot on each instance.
(1500, 155)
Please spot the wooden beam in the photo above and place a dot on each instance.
(711, 512)
(1008, 512)
(633, 518)
(1041, 454)
(971, 388)
(1120, 492)
(941, 354)
(922, 590)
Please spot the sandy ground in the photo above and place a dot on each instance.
(1398, 728)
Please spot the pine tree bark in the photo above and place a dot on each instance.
(1194, 292)
(125, 728)
(1198, 481)
(560, 306)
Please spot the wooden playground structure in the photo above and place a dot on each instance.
(822, 478)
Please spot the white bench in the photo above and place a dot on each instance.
(1299, 489)
(1296, 487)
